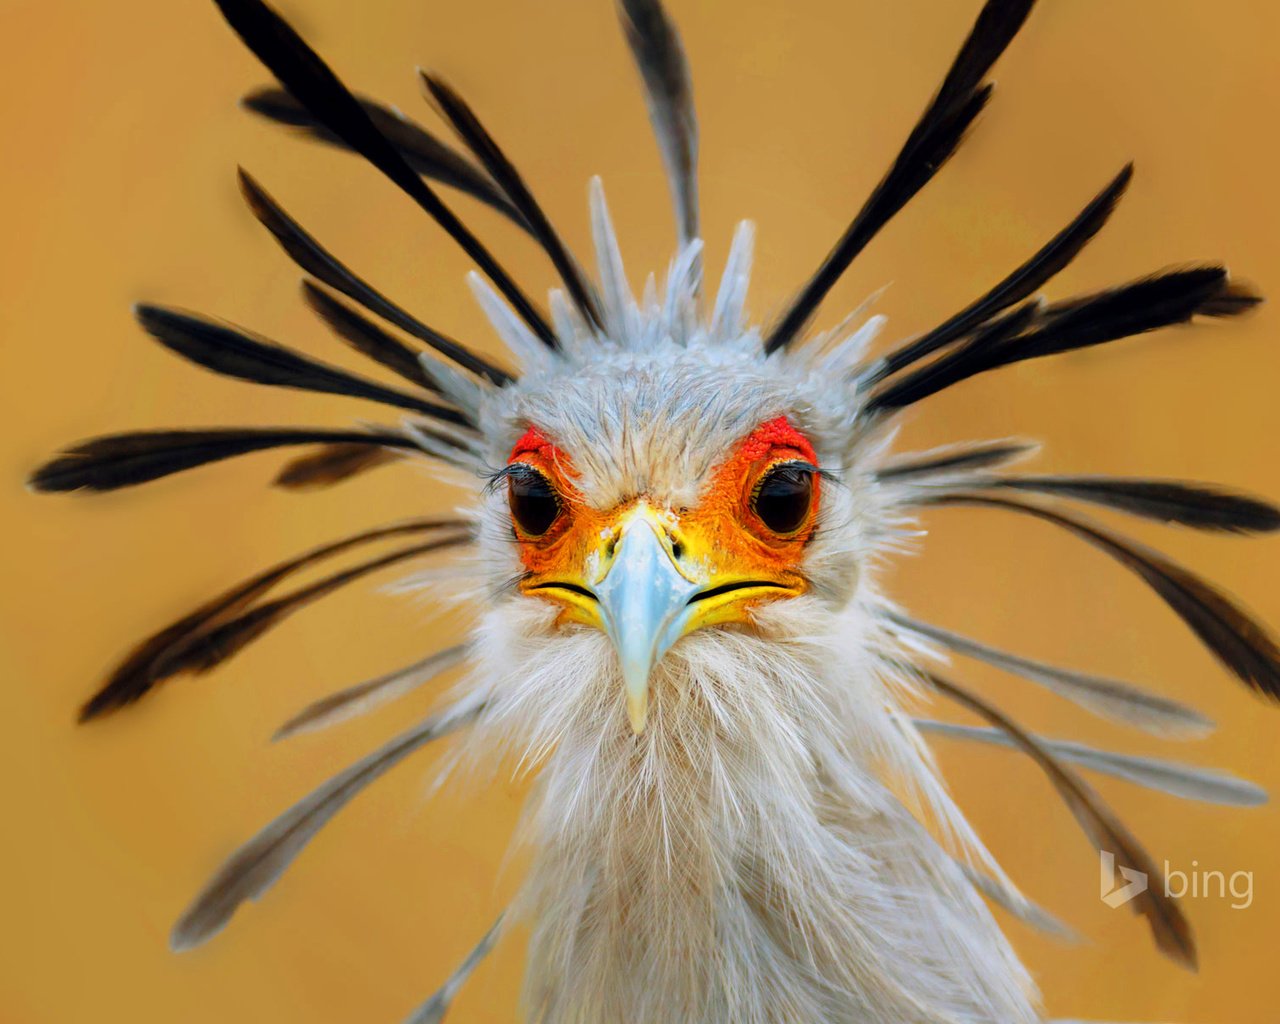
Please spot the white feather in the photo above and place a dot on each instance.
(1175, 778)
(620, 313)
(731, 298)
(529, 351)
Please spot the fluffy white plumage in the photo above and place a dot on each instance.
(760, 836)
(749, 857)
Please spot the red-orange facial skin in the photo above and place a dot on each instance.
(725, 515)
(561, 552)
(721, 538)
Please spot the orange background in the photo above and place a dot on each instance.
(121, 136)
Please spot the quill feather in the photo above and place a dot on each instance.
(233, 353)
(1181, 780)
(1234, 636)
(425, 153)
(1169, 928)
(313, 84)
(257, 865)
(932, 141)
(167, 652)
(125, 460)
(312, 257)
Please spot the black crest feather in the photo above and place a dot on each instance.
(659, 54)
(955, 459)
(123, 460)
(1169, 501)
(308, 254)
(227, 623)
(481, 143)
(313, 84)
(366, 337)
(931, 143)
(1234, 636)
(233, 353)
(1104, 828)
(1162, 300)
(331, 464)
(1056, 254)
(421, 150)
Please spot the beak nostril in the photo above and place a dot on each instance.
(677, 549)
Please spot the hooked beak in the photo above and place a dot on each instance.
(645, 607)
(647, 583)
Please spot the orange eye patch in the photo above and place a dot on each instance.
(737, 481)
(754, 502)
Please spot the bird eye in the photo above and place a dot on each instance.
(534, 505)
(783, 496)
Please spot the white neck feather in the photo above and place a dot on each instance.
(744, 859)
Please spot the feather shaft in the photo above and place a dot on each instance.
(1105, 830)
(1233, 635)
(312, 257)
(425, 153)
(257, 865)
(365, 697)
(313, 84)
(1186, 781)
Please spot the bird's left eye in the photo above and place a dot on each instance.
(783, 497)
(534, 505)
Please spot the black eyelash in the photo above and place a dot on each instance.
(493, 480)
(796, 465)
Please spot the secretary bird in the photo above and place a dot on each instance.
(674, 537)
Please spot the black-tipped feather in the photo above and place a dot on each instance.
(1165, 299)
(465, 122)
(233, 353)
(366, 337)
(360, 699)
(312, 257)
(434, 1009)
(259, 863)
(123, 460)
(659, 54)
(955, 460)
(1169, 501)
(331, 464)
(931, 142)
(1110, 698)
(941, 373)
(313, 84)
(163, 654)
(425, 153)
(214, 646)
(1234, 636)
(1056, 254)
(1108, 833)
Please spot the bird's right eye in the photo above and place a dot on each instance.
(534, 504)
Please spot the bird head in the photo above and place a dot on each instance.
(682, 515)
(655, 501)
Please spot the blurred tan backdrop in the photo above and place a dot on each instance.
(121, 137)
